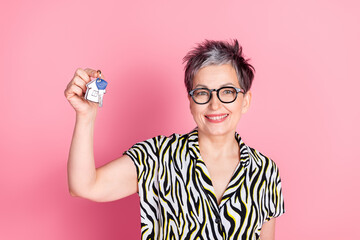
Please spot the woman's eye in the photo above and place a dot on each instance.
(228, 92)
(202, 93)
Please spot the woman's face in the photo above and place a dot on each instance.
(216, 118)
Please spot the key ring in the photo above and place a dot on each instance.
(95, 89)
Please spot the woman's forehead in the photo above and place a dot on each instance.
(218, 75)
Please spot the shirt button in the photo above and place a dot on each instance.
(217, 220)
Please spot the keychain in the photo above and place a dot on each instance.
(95, 90)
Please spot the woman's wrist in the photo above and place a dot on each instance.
(86, 117)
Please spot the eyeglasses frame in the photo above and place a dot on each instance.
(191, 93)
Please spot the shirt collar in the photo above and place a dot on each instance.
(193, 144)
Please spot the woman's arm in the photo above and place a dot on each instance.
(112, 181)
(268, 230)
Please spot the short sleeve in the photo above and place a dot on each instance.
(274, 199)
(145, 157)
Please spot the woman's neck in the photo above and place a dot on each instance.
(218, 146)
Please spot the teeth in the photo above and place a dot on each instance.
(217, 117)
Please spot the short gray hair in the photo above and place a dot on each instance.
(212, 52)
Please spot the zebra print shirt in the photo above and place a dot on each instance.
(178, 201)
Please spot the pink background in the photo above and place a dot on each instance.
(305, 110)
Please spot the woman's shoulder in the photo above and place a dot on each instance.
(165, 139)
(260, 159)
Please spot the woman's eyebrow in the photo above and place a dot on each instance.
(223, 85)
(201, 86)
(227, 84)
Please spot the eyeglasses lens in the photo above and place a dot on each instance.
(226, 95)
(201, 95)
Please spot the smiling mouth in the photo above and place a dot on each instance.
(216, 117)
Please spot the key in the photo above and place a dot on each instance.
(101, 96)
(101, 85)
(95, 90)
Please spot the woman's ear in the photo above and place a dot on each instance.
(246, 102)
(190, 101)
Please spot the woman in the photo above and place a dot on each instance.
(229, 191)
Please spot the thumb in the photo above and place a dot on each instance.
(93, 73)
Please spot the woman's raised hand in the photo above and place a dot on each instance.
(75, 91)
(113, 181)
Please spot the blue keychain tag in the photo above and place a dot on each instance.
(101, 84)
(96, 89)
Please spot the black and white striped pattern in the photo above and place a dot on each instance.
(177, 198)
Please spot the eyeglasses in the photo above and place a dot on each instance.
(224, 94)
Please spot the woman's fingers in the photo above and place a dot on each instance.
(91, 72)
(73, 90)
(81, 78)
(82, 74)
(77, 86)
(77, 90)
(87, 73)
(78, 81)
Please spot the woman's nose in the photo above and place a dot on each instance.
(214, 101)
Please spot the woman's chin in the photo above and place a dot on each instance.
(216, 132)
